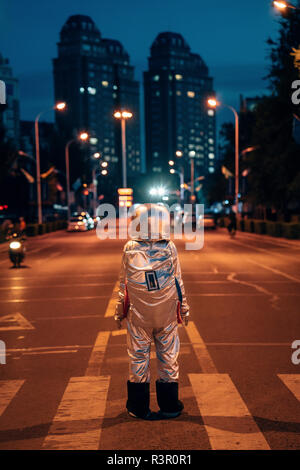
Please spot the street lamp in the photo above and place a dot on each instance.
(192, 155)
(283, 6)
(181, 176)
(83, 136)
(61, 106)
(213, 103)
(123, 116)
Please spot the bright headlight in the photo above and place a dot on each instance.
(15, 245)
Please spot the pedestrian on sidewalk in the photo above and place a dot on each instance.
(153, 301)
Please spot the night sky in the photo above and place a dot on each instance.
(230, 35)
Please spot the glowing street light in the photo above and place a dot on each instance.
(179, 153)
(60, 106)
(283, 6)
(97, 155)
(104, 172)
(123, 116)
(213, 103)
(171, 163)
(83, 137)
(172, 171)
(104, 164)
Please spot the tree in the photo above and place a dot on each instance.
(275, 165)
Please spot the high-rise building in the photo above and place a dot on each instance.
(94, 77)
(176, 87)
(10, 116)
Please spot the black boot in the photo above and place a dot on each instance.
(167, 399)
(139, 400)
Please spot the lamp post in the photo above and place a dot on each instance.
(123, 116)
(213, 103)
(181, 176)
(192, 155)
(59, 107)
(83, 136)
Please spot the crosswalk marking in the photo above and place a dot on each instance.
(227, 420)
(77, 424)
(97, 355)
(292, 382)
(205, 361)
(8, 389)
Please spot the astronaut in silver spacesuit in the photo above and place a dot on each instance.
(152, 298)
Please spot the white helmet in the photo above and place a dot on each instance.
(149, 222)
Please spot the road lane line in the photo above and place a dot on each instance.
(264, 250)
(77, 424)
(110, 311)
(41, 353)
(206, 363)
(97, 355)
(8, 389)
(276, 271)
(50, 286)
(227, 420)
(43, 299)
(292, 382)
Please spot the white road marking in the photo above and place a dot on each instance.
(67, 317)
(273, 297)
(50, 286)
(249, 344)
(292, 382)
(8, 389)
(15, 321)
(77, 424)
(110, 311)
(276, 271)
(97, 355)
(41, 353)
(205, 361)
(227, 420)
(264, 250)
(43, 299)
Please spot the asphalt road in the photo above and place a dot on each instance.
(64, 383)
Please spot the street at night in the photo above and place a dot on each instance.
(63, 386)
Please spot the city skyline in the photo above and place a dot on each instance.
(206, 31)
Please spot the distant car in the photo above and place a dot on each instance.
(86, 216)
(77, 224)
(209, 222)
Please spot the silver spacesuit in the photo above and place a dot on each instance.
(151, 289)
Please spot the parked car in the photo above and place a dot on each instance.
(77, 223)
(86, 216)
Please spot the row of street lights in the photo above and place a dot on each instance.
(83, 137)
